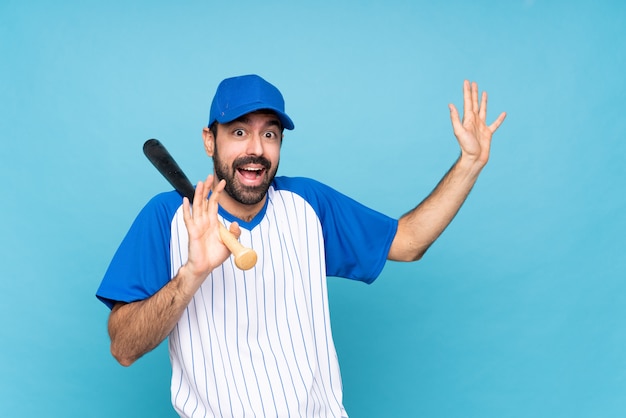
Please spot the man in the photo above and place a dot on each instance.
(258, 342)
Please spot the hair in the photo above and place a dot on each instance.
(213, 129)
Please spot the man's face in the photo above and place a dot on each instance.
(246, 153)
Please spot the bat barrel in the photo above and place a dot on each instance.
(160, 157)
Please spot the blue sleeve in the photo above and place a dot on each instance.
(141, 265)
(357, 239)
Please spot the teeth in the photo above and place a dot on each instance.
(252, 169)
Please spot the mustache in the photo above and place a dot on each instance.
(252, 160)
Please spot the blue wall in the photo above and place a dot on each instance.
(517, 311)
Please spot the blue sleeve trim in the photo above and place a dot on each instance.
(357, 239)
(141, 266)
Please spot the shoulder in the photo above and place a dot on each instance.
(301, 185)
(166, 199)
(162, 205)
(319, 195)
(316, 194)
(171, 197)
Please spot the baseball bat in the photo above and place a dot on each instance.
(159, 156)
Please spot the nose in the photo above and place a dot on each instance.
(255, 145)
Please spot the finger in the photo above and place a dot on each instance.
(213, 201)
(217, 190)
(186, 211)
(482, 112)
(235, 229)
(474, 97)
(454, 118)
(220, 186)
(197, 197)
(495, 125)
(467, 98)
(206, 189)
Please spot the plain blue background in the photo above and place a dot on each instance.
(518, 310)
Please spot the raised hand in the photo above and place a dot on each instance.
(206, 249)
(473, 133)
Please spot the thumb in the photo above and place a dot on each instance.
(235, 230)
(457, 126)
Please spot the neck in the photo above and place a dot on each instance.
(239, 210)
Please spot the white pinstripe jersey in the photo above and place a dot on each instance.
(257, 343)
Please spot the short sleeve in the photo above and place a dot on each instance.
(141, 264)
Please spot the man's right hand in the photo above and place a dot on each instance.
(206, 249)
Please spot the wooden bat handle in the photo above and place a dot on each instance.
(245, 258)
(159, 156)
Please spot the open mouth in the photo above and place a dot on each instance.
(252, 170)
(251, 174)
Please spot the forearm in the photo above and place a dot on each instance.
(138, 327)
(420, 227)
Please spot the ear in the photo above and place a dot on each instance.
(209, 141)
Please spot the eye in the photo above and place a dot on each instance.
(270, 135)
(238, 132)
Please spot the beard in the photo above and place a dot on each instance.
(246, 195)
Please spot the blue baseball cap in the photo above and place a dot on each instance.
(241, 95)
